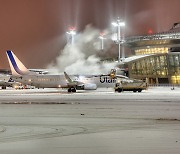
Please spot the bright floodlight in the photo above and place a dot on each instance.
(71, 32)
(101, 35)
(116, 24)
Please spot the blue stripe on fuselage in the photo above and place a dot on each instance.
(10, 55)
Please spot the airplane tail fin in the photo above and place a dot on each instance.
(17, 67)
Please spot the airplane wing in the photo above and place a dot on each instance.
(67, 77)
(72, 83)
(122, 76)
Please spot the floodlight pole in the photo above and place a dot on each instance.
(123, 54)
(118, 24)
(101, 37)
(102, 44)
(72, 39)
(119, 39)
(72, 33)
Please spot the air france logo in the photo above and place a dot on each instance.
(105, 79)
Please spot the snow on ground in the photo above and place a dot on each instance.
(90, 122)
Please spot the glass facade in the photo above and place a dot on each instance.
(174, 68)
(157, 66)
(175, 79)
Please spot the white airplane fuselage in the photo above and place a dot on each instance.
(59, 81)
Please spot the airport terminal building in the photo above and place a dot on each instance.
(157, 57)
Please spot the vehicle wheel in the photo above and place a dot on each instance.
(139, 90)
(119, 90)
(134, 91)
(73, 90)
(69, 90)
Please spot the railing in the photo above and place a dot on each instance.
(164, 85)
(157, 36)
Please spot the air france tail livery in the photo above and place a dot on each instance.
(74, 82)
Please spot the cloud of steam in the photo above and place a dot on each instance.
(82, 56)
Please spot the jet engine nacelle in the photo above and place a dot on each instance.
(90, 86)
(87, 86)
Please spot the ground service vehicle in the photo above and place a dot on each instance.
(128, 84)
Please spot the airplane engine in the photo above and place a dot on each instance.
(90, 86)
(87, 86)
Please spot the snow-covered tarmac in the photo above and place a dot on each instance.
(95, 122)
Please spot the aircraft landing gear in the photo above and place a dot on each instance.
(72, 90)
(139, 90)
(3, 87)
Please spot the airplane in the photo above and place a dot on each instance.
(73, 82)
(6, 81)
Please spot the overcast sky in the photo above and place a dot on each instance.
(35, 29)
